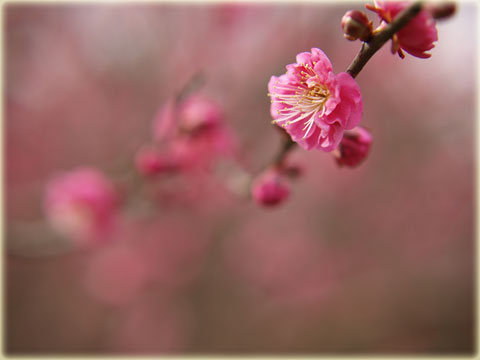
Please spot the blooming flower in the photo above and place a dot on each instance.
(314, 105)
(81, 205)
(416, 37)
(354, 147)
(270, 188)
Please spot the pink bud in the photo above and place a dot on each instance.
(354, 147)
(355, 25)
(270, 188)
(149, 162)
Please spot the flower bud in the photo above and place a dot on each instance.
(355, 25)
(354, 147)
(441, 10)
(270, 188)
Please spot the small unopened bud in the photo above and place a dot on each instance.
(441, 10)
(270, 188)
(354, 147)
(355, 25)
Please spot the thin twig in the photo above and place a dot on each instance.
(377, 41)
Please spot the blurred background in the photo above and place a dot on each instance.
(373, 260)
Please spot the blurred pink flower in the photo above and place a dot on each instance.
(150, 161)
(270, 188)
(197, 113)
(416, 37)
(202, 150)
(194, 131)
(313, 104)
(191, 115)
(354, 147)
(81, 204)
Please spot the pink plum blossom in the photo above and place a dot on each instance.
(416, 37)
(194, 131)
(81, 204)
(270, 188)
(198, 113)
(354, 147)
(314, 105)
(191, 115)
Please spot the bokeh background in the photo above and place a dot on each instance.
(373, 260)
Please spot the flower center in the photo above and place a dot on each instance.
(300, 101)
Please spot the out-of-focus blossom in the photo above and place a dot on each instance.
(270, 188)
(197, 114)
(194, 131)
(416, 37)
(314, 105)
(149, 161)
(81, 204)
(200, 152)
(355, 25)
(191, 115)
(354, 147)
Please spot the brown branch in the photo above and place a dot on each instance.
(287, 145)
(377, 41)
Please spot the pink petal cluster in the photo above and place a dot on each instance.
(81, 204)
(270, 188)
(417, 36)
(354, 147)
(314, 105)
